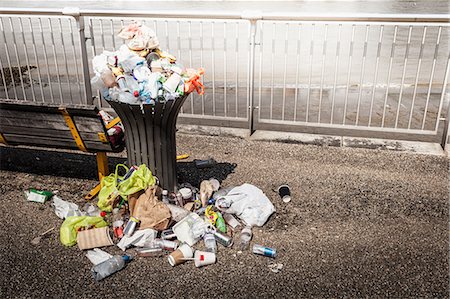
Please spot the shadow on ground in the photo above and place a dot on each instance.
(84, 166)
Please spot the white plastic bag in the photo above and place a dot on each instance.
(138, 239)
(249, 203)
(138, 37)
(64, 209)
(97, 256)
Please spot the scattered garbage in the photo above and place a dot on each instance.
(247, 202)
(97, 256)
(94, 238)
(285, 193)
(266, 251)
(73, 224)
(179, 256)
(204, 258)
(200, 164)
(38, 196)
(276, 267)
(110, 266)
(37, 240)
(138, 239)
(141, 73)
(64, 209)
(245, 237)
(152, 212)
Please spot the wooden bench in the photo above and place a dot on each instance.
(76, 127)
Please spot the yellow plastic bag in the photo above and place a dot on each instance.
(108, 191)
(139, 180)
(69, 229)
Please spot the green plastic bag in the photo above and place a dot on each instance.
(140, 179)
(69, 228)
(108, 189)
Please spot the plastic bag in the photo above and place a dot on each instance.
(64, 209)
(249, 203)
(140, 179)
(97, 256)
(138, 37)
(108, 190)
(69, 228)
(138, 239)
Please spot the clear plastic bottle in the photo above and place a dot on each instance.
(132, 84)
(110, 266)
(127, 97)
(165, 196)
(246, 236)
(210, 242)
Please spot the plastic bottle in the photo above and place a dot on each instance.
(165, 196)
(132, 84)
(110, 266)
(246, 236)
(127, 97)
(210, 242)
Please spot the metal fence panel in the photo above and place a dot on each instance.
(220, 46)
(388, 76)
(40, 60)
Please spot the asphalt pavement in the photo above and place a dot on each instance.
(362, 223)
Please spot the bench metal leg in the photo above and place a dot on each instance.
(102, 167)
(102, 164)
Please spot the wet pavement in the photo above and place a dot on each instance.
(362, 223)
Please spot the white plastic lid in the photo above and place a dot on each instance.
(186, 193)
(165, 192)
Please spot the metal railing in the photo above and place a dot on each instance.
(362, 75)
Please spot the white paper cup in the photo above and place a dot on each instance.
(178, 256)
(204, 258)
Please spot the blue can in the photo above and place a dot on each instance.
(266, 251)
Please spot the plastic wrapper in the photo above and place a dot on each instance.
(247, 202)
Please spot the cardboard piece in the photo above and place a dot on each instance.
(93, 238)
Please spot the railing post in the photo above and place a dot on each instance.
(253, 17)
(75, 13)
(447, 116)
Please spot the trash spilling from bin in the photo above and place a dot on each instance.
(190, 225)
(141, 73)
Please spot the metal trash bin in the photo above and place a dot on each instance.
(150, 137)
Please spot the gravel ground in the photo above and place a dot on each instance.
(362, 223)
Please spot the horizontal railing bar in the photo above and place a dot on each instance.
(349, 127)
(246, 15)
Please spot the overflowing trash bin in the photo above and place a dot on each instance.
(140, 208)
(147, 88)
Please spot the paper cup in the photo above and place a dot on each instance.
(178, 256)
(204, 258)
(285, 193)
